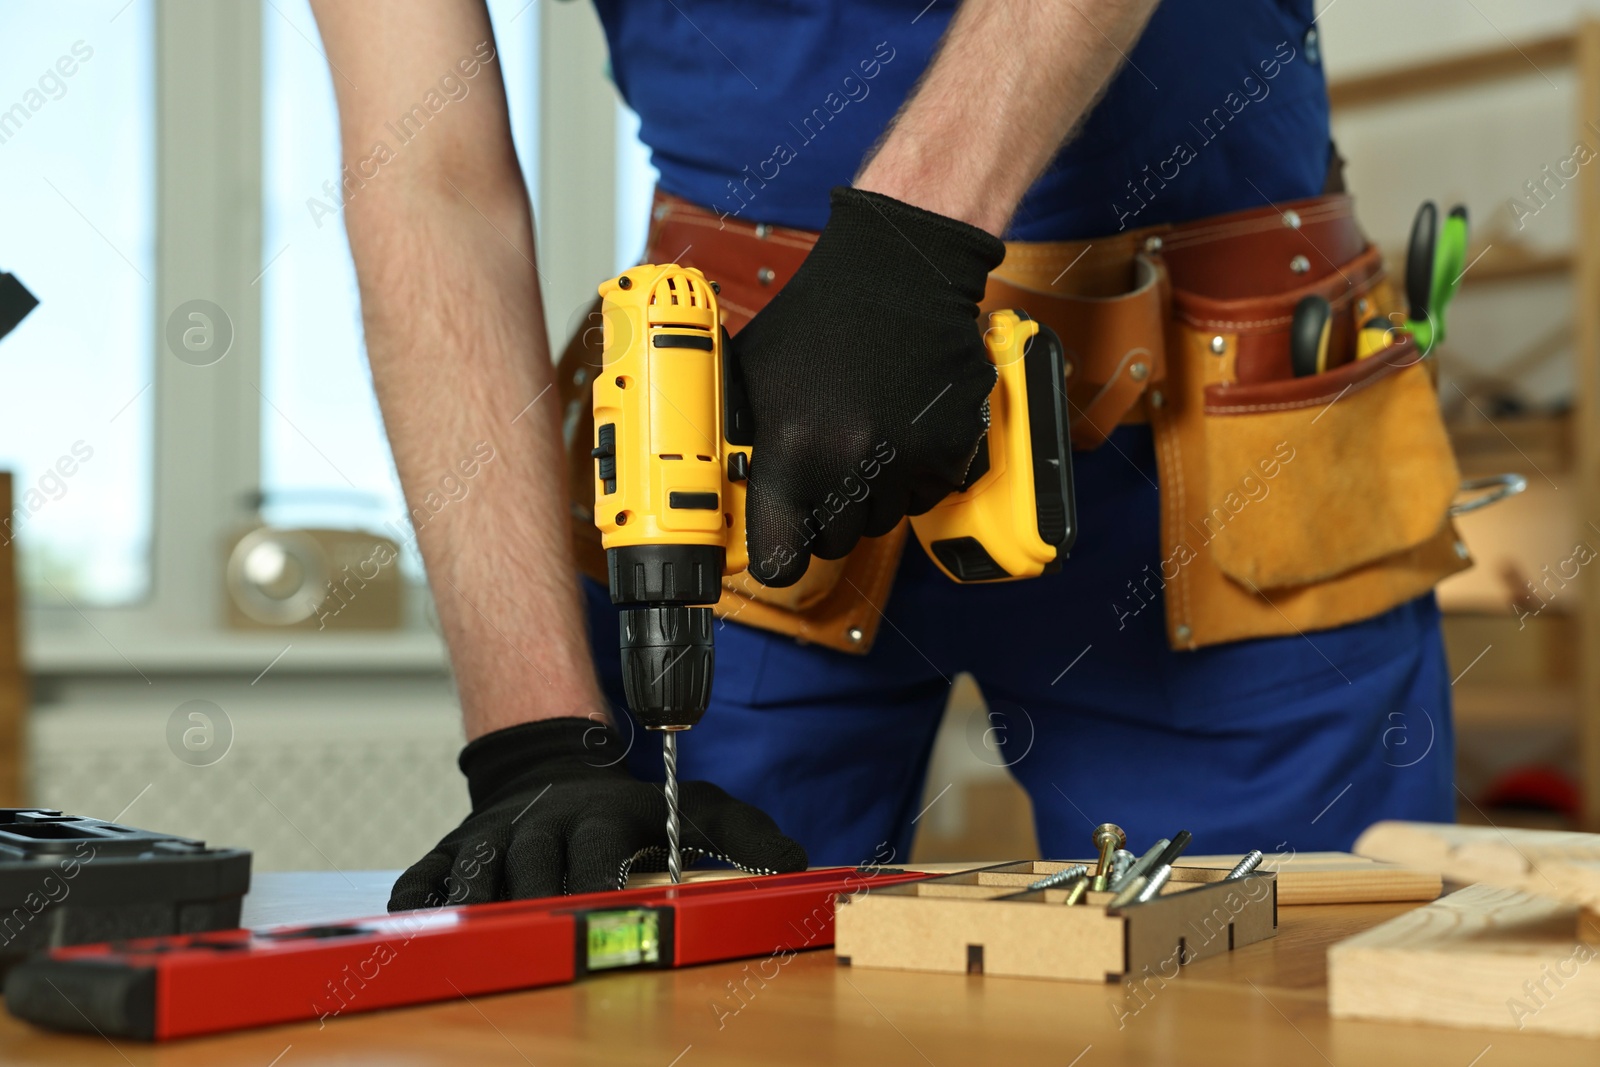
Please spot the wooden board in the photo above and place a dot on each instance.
(1551, 863)
(1482, 957)
(1303, 877)
(1335, 878)
(975, 923)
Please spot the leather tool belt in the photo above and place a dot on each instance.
(1287, 504)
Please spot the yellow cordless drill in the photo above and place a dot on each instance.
(673, 437)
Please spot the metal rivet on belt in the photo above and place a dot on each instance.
(854, 635)
(1157, 398)
(1291, 219)
(1152, 245)
(1299, 264)
(660, 211)
(762, 229)
(765, 275)
(1183, 633)
(1066, 370)
(1313, 46)
(1461, 549)
(1361, 308)
(1139, 371)
(1219, 345)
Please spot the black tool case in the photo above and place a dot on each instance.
(67, 880)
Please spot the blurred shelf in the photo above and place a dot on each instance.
(1495, 705)
(1503, 261)
(1454, 72)
(1533, 446)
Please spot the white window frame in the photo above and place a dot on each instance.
(207, 424)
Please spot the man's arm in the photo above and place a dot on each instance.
(1011, 80)
(442, 236)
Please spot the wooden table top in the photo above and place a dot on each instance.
(1262, 1004)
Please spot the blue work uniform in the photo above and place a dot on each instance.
(1293, 743)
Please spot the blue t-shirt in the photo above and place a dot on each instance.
(756, 108)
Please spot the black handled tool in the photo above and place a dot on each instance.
(1308, 336)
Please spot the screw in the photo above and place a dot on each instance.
(1121, 861)
(1251, 861)
(1129, 892)
(1300, 264)
(1153, 885)
(1065, 874)
(1108, 837)
(1079, 888)
(765, 275)
(1219, 345)
(624, 282)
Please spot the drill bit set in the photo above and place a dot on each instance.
(1119, 915)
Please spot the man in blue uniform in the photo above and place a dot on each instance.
(914, 136)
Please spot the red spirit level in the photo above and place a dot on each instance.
(166, 987)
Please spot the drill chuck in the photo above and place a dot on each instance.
(667, 658)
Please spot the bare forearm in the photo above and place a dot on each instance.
(455, 336)
(443, 242)
(1011, 80)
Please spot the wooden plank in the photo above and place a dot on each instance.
(1556, 864)
(1335, 878)
(1482, 957)
(1303, 878)
(1452, 73)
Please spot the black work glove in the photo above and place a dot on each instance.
(555, 811)
(867, 380)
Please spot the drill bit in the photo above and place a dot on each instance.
(1163, 869)
(669, 756)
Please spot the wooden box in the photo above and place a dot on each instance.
(959, 924)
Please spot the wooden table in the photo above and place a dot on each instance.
(1263, 1004)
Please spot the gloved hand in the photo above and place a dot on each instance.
(555, 811)
(867, 380)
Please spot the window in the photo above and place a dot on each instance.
(77, 226)
(138, 184)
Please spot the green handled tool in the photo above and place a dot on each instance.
(1435, 262)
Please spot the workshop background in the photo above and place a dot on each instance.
(169, 189)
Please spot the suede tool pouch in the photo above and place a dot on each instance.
(1313, 477)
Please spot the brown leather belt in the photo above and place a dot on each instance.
(1149, 316)
(1107, 298)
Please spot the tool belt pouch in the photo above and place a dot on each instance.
(1298, 503)
(1109, 308)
